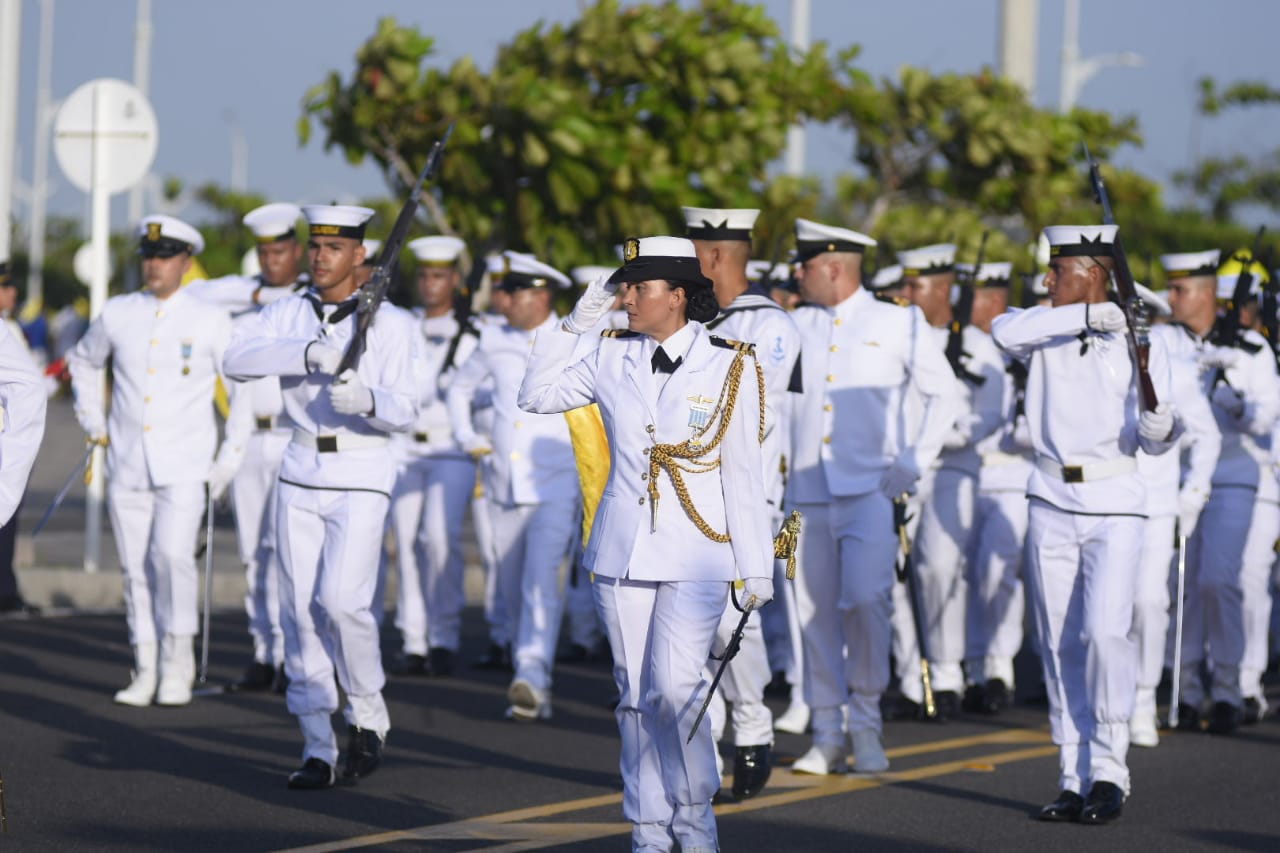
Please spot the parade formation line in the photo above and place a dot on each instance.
(786, 788)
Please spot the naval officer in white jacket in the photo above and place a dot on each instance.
(681, 517)
(334, 487)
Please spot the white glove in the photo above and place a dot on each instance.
(593, 304)
(899, 479)
(1216, 358)
(323, 358)
(477, 446)
(220, 477)
(1226, 398)
(1105, 317)
(756, 593)
(959, 435)
(1190, 502)
(349, 396)
(98, 437)
(1157, 425)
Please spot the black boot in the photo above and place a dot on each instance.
(1065, 809)
(997, 696)
(1253, 712)
(751, 769)
(408, 664)
(947, 704)
(1104, 804)
(1188, 718)
(257, 677)
(280, 683)
(312, 775)
(975, 699)
(901, 708)
(439, 661)
(364, 752)
(1224, 718)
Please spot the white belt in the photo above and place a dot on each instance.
(335, 443)
(996, 458)
(1087, 473)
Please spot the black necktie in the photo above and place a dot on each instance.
(345, 308)
(662, 363)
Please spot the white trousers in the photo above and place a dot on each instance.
(743, 683)
(428, 506)
(1255, 584)
(1080, 581)
(1151, 605)
(581, 620)
(993, 631)
(495, 608)
(1213, 614)
(253, 496)
(155, 532)
(844, 583)
(330, 541)
(660, 634)
(942, 549)
(531, 542)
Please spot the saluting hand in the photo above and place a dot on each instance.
(593, 304)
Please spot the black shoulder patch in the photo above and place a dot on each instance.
(725, 343)
(619, 333)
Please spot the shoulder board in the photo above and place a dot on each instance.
(619, 333)
(725, 343)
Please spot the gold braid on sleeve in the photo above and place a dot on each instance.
(690, 455)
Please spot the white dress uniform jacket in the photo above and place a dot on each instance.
(22, 413)
(167, 356)
(433, 433)
(628, 539)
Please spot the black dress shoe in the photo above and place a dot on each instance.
(901, 708)
(778, 685)
(364, 753)
(1252, 711)
(947, 705)
(439, 661)
(1065, 809)
(1188, 718)
(16, 605)
(1224, 718)
(280, 682)
(497, 657)
(258, 677)
(1104, 804)
(975, 699)
(997, 696)
(409, 664)
(576, 653)
(312, 775)
(751, 769)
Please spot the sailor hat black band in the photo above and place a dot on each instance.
(1191, 264)
(814, 238)
(705, 223)
(165, 236)
(1081, 241)
(337, 220)
(671, 259)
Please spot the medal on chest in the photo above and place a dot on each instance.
(700, 409)
(187, 346)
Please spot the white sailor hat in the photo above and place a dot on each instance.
(887, 277)
(495, 264)
(523, 270)
(670, 259)
(1157, 302)
(582, 276)
(814, 238)
(438, 250)
(1088, 241)
(337, 220)
(758, 270)
(272, 222)
(1229, 274)
(1188, 264)
(1037, 284)
(994, 274)
(928, 260)
(707, 223)
(167, 236)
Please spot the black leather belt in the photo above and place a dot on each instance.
(421, 437)
(264, 422)
(327, 443)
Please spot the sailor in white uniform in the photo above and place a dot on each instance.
(681, 517)
(23, 402)
(166, 351)
(334, 487)
(1087, 511)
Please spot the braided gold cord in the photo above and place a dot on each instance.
(686, 457)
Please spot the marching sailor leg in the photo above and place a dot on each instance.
(1259, 551)
(1151, 624)
(131, 512)
(449, 485)
(406, 513)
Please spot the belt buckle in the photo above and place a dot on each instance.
(263, 422)
(327, 443)
(1073, 473)
(421, 437)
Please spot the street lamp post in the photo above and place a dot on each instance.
(1076, 71)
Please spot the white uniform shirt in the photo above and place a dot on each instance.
(1006, 453)
(22, 412)
(628, 539)
(166, 356)
(274, 342)
(757, 319)
(532, 459)
(1192, 467)
(240, 294)
(875, 386)
(432, 434)
(1082, 405)
(982, 405)
(1245, 456)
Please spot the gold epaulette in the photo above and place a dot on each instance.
(619, 333)
(726, 343)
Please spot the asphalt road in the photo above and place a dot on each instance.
(83, 774)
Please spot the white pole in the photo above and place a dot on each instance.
(40, 167)
(1019, 34)
(799, 43)
(142, 82)
(100, 235)
(10, 41)
(1067, 87)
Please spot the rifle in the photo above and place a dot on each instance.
(462, 303)
(375, 289)
(1134, 312)
(960, 317)
(906, 574)
(1228, 331)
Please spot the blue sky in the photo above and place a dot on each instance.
(249, 62)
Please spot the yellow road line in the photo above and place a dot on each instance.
(514, 827)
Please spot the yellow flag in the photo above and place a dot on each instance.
(591, 449)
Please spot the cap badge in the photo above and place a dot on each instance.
(630, 249)
(153, 231)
